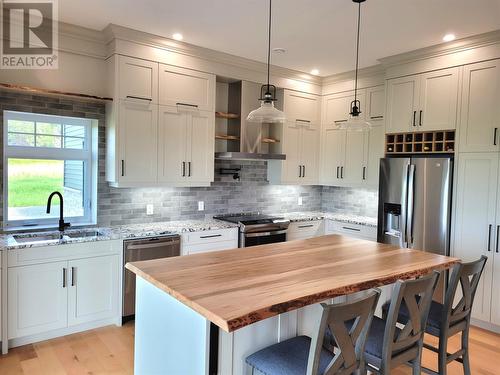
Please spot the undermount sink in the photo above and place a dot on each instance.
(55, 236)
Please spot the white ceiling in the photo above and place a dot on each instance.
(316, 33)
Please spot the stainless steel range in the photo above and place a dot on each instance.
(258, 229)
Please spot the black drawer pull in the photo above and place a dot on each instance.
(353, 229)
(306, 226)
(211, 236)
(139, 97)
(188, 105)
(376, 117)
(299, 120)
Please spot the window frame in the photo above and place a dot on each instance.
(51, 153)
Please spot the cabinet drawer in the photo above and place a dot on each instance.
(186, 88)
(210, 236)
(209, 246)
(353, 230)
(305, 229)
(46, 254)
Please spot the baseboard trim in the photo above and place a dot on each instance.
(61, 332)
(485, 325)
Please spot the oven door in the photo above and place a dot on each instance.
(262, 238)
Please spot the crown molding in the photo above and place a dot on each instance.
(370, 71)
(442, 49)
(112, 32)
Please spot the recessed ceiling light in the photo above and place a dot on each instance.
(177, 36)
(448, 37)
(315, 72)
(279, 50)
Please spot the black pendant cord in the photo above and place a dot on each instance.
(269, 44)
(357, 55)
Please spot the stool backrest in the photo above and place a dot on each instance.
(417, 296)
(467, 275)
(349, 341)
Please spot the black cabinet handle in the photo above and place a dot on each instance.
(364, 173)
(306, 226)
(73, 271)
(414, 117)
(139, 97)
(420, 119)
(489, 237)
(495, 136)
(64, 277)
(353, 229)
(299, 120)
(183, 169)
(211, 236)
(498, 233)
(376, 117)
(123, 167)
(189, 169)
(338, 171)
(303, 171)
(342, 172)
(187, 105)
(300, 170)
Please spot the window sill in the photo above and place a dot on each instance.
(43, 227)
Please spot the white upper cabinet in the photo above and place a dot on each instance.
(373, 153)
(186, 146)
(354, 166)
(480, 116)
(336, 107)
(137, 143)
(301, 107)
(310, 154)
(375, 103)
(438, 100)
(186, 87)
(423, 102)
(332, 155)
(292, 148)
(402, 104)
(137, 79)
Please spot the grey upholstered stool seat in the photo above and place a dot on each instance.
(288, 358)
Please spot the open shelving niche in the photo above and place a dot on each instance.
(431, 142)
(233, 133)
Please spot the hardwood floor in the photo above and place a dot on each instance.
(109, 350)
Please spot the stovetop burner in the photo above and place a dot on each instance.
(248, 218)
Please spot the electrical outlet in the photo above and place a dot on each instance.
(201, 206)
(149, 209)
(300, 201)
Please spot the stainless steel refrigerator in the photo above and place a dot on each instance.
(415, 204)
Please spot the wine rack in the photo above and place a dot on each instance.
(432, 142)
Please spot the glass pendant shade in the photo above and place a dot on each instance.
(356, 124)
(266, 113)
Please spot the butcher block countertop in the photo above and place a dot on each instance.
(235, 288)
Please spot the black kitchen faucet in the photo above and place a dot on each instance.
(62, 224)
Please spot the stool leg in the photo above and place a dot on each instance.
(442, 355)
(465, 347)
(417, 363)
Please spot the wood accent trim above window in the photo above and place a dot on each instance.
(54, 92)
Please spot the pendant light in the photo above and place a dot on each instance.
(355, 122)
(267, 113)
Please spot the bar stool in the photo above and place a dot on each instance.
(389, 346)
(448, 319)
(303, 356)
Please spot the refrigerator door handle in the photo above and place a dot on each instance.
(409, 203)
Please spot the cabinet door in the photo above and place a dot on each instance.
(93, 289)
(352, 173)
(374, 151)
(37, 299)
(402, 104)
(186, 87)
(292, 149)
(375, 103)
(138, 79)
(332, 155)
(336, 107)
(172, 145)
(495, 259)
(201, 147)
(302, 107)
(310, 154)
(438, 100)
(475, 219)
(138, 127)
(480, 115)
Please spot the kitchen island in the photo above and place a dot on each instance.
(179, 299)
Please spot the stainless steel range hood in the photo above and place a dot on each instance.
(249, 141)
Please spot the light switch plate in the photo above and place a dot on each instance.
(300, 201)
(201, 206)
(149, 209)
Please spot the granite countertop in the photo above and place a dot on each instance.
(318, 215)
(7, 241)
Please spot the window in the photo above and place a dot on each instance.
(43, 154)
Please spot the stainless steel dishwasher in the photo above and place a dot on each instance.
(137, 249)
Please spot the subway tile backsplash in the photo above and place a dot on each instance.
(252, 192)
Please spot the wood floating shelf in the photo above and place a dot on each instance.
(432, 142)
(226, 115)
(270, 140)
(226, 137)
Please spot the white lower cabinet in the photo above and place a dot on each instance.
(304, 229)
(363, 232)
(56, 290)
(209, 240)
(37, 299)
(93, 289)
